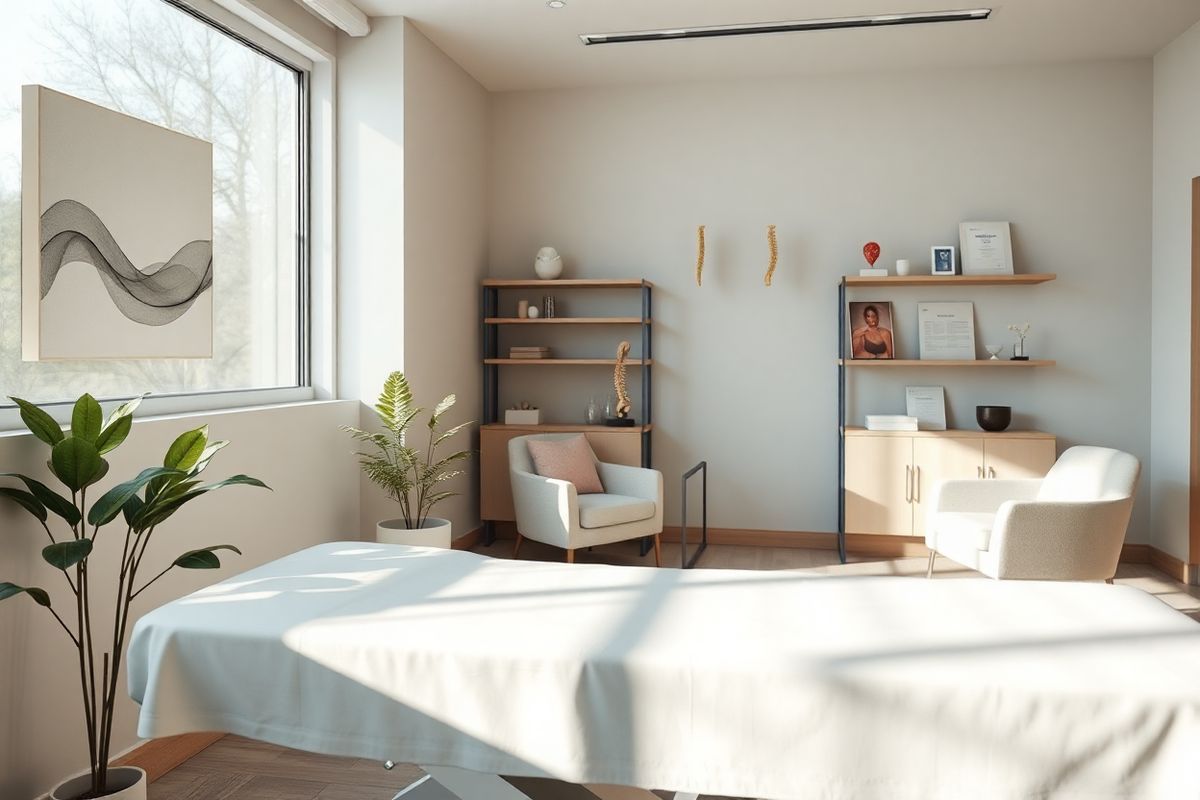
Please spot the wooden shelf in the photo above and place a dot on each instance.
(951, 280)
(979, 362)
(567, 321)
(567, 362)
(568, 283)
(953, 433)
(581, 428)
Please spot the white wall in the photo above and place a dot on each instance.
(617, 180)
(445, 249)
(412, 124)
(297, 450)
(1176, 162)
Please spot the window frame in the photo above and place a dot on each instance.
(207, 12)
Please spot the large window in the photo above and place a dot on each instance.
(157, 61)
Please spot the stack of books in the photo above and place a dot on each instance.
(890, 422)
(529, 352)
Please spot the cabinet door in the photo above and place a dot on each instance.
(1011, 458)
(941, 459)
(877, 487)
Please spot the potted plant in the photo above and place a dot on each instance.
(410, 477)
(142, 504)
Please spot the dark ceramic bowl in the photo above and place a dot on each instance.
(993, 418)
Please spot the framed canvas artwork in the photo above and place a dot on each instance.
(116, 222)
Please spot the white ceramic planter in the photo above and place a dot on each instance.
(434, 533)
(522, 416)
(124, 783)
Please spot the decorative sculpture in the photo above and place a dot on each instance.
(774, 246)
(699, 254)
(621, 420)
(871, 253)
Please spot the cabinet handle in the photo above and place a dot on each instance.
(917, 484)
(991, 472)
(908, 492)
(979, 472)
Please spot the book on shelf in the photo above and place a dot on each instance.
(891, 422)
(529, 352)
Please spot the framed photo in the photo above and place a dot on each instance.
(870, 325)
(942, 261)
(986, 248)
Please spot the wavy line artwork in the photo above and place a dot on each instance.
(156, 295)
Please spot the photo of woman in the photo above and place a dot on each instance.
(871, 330)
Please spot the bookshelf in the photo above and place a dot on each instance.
(630, 445)
(846, 365)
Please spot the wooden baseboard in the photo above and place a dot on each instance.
(468, 540)
(159, 756)
(864, 544)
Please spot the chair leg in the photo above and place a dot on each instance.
(658, 549)
(570, 556)
(929, 569)
(517, 545)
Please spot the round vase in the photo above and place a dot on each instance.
(548, 264)
(993, 418)
(124, 783)
(434, 533)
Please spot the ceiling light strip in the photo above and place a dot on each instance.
(754, 29)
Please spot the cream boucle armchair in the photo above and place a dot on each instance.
(553, 512)
(1069, 525)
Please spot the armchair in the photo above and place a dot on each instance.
(1069, 525)
(553, 512)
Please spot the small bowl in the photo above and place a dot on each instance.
(993, 418)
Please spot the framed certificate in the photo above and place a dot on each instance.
(985, 248)
(947, 331)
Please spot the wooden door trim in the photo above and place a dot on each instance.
(1194, 393)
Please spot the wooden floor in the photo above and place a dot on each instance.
(240, 769)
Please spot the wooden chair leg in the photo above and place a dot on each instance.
(658, 549)
(517, 545)
(929, 569)
(570, 556)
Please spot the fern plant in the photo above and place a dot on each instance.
(409, 477)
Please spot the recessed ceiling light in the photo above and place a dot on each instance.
(556, 3)
(754, 28)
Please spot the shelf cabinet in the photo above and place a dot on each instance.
(890, 477)
(630, 446)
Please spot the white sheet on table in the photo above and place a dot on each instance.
(761, 684)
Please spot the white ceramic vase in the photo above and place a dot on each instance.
(548, 264)
(434, 533)
(124, 783)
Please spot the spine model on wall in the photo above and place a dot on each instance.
(700, 255)
(773, 245)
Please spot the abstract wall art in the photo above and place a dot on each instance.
(117, 255)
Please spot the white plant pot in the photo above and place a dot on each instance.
(522, 416)
(434, 533)
(124, 783)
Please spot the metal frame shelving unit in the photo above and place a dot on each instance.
(844, 362)
(492, 360)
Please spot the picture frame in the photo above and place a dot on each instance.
(986, 248)
(871, 325)
(942, 260)
(946, 331)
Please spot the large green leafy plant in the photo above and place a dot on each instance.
(142, 503)
(409, 477)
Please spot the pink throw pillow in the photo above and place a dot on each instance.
(567, 460)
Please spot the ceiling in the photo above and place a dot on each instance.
(522, 44)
